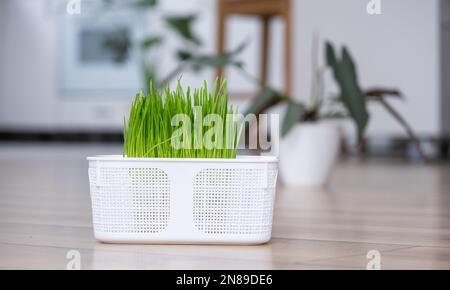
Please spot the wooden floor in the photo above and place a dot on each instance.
(400, 210)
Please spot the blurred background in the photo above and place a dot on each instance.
(69, 69)
(360, 84)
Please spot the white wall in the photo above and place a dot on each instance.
(24, 53)
(398, 48)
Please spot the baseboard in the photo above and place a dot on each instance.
(435, 148)
(61, 136)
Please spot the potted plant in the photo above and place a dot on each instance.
(179, 179)
(310, 132)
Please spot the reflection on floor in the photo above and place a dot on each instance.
(400, 210)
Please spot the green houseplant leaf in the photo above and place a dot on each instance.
(213, 61)
(220, 60)
(146, 3)
(351, 95)
(150, 42)
(183, 26)
(330, 55)
(294, 113)
(184, 55)
(266, 99)
(188, 59)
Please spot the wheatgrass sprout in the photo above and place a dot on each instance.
(182, 124)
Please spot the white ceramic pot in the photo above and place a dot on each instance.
(308, 154)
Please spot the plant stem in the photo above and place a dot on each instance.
(173, 74)
(406, 126)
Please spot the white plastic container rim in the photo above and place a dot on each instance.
(238, 159)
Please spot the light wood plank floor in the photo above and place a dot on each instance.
(398, 209)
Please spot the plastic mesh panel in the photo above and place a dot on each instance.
(234, 201)
(130, 200)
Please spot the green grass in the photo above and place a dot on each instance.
(149, 132)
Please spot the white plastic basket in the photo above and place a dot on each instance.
(158, 200)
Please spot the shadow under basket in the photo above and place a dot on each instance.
(181, 200)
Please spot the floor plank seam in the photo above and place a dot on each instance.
(116, 250)
(355, 242)
(355, 255)
(46, 225)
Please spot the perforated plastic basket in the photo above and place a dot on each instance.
(156, 200)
